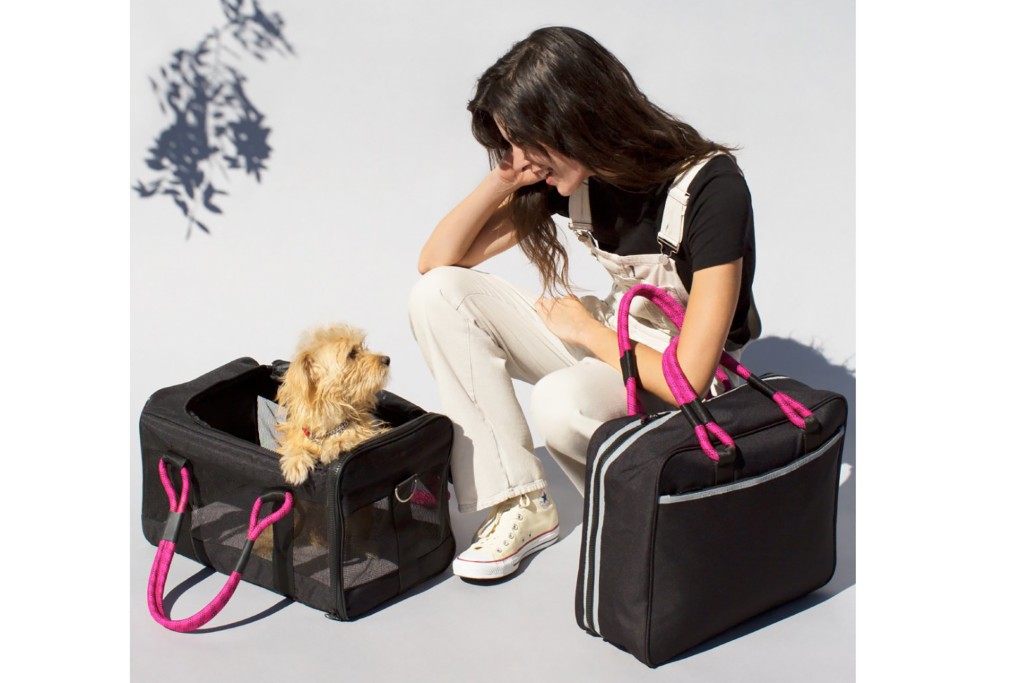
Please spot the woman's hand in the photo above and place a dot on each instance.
(515, 170)
(566, 318)
(709, 313)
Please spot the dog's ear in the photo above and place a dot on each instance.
(300, 380)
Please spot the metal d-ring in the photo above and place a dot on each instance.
(398, 497)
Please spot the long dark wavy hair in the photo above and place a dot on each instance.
(562, 89)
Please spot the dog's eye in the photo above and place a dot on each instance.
(352, 355)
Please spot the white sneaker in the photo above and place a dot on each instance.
(516, 528)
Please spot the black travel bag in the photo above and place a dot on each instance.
(684, 539)
(362, 530)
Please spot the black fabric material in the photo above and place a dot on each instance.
(282, 560)
(727, 465)
(173, 527)
(211, 424)
(627, 363)
(404, 527)
(668, 575)
(718, 227)
(691, 415)
(741, 553)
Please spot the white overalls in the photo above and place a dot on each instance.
(478, 332)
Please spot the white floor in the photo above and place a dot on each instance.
(520, 629)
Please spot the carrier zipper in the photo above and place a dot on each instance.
(334, 525)
(670, 499)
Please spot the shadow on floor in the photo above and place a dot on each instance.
(199, 577)
(808, 365)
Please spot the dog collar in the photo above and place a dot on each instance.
(318, 438)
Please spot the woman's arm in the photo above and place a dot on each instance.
(709, 314)
(480, 226)
(474, 225)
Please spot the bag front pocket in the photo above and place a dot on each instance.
(727, 553)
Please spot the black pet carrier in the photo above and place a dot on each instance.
(684, 538)
(357, 533)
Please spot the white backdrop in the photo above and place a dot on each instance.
(371, 147)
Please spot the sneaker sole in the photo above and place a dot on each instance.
(496, 569)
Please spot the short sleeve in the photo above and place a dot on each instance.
(718, 228)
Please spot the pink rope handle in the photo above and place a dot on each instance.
(165, 553)
(683, 392)
(672, 308)
(676, 313)
(795, 412)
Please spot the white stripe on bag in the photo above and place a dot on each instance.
(599, 507)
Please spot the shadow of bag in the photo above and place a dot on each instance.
(700, 518)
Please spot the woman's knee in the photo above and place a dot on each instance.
(567, 405)
(441, 286)
(551, 404)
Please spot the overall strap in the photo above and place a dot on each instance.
(579, 214)
(671, 234)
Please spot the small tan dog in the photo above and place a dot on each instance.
(328, 395)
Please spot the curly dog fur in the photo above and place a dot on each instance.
(328, 395)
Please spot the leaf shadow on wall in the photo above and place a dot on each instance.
(215, 128)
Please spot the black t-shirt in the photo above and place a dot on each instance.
(718, 227)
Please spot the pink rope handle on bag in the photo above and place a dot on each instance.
(796, 412)
(689, 403)
(672, 308)
(165, 553)
(683, 392)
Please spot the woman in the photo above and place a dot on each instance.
(561, 117)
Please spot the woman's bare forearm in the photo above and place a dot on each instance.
(603, 342)
(709, 313)
(451, 240)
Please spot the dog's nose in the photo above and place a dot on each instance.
(386, 360)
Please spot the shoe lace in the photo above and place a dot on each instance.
(503, 523)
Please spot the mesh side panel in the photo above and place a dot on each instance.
(424, 504)
(222, 527)
(310, 544)
(371, 546)
(427, 527)
(221, 524)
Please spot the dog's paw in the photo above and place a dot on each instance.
(296, 468)
(329, 455)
